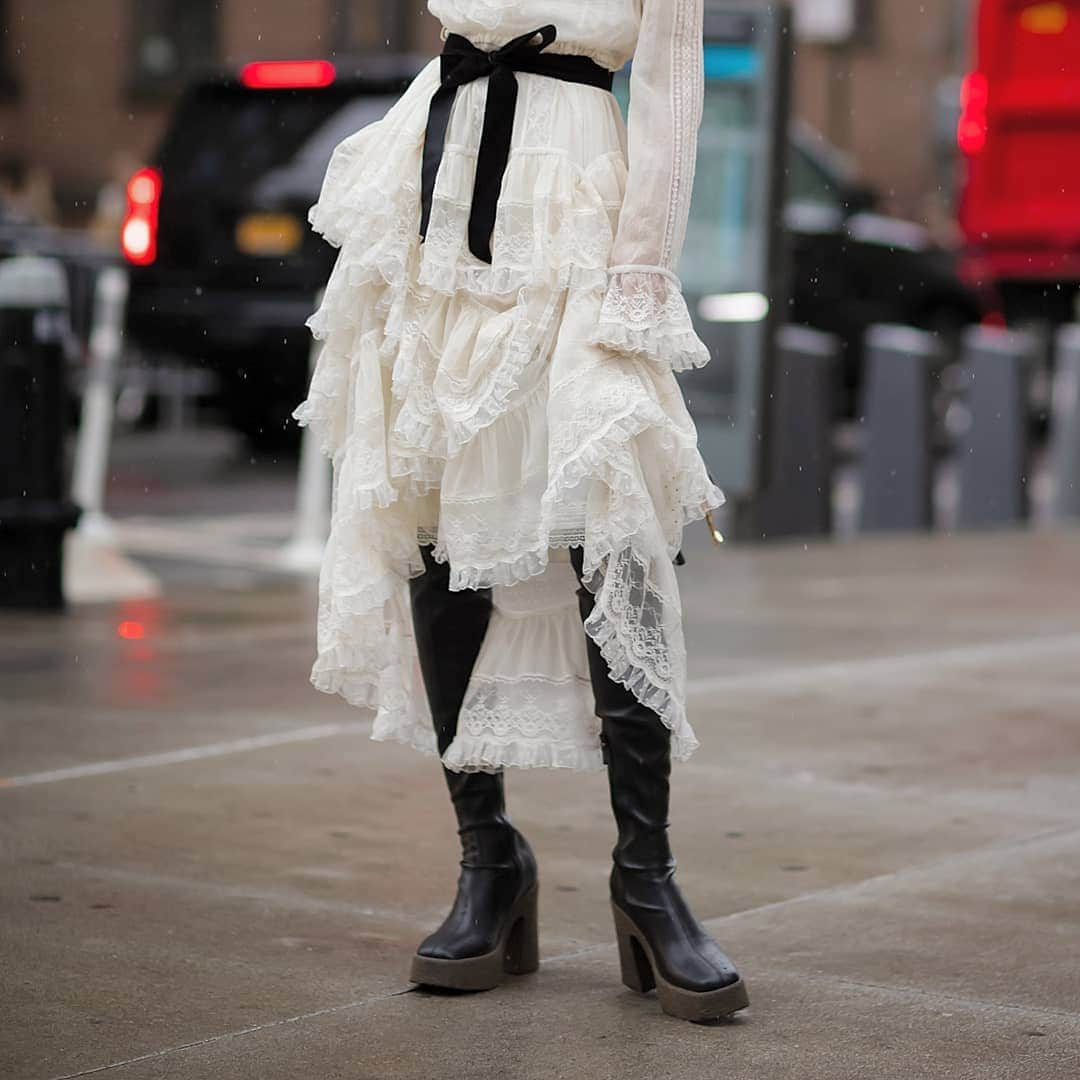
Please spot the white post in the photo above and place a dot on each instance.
(311, 526)
(96, 419)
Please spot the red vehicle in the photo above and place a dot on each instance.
(1020, 133)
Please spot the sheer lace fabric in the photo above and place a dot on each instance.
(507, 411)
(644, 313)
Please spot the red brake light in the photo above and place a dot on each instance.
(972, 130)
(287, 74)
(138, 237)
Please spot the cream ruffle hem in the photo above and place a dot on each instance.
(502, 413)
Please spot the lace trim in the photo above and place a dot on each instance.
(622, 474)
(555, 224)
(554, 227)
(526, 723)
(687, 104)
(666, 103)
(471, 754)
(645, 314)
(606, 423)
(637, 620)
(510, 569)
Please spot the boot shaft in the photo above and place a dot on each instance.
(637, 750)
(449, 628)
(639, 771)
(488, 839)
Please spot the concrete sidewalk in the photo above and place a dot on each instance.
(207, 869)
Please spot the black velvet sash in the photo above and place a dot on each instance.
(462, 62)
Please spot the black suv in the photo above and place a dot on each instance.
(226, 270)
(853, 266)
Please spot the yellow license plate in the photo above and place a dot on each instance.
(268, 234)
(1045, 18)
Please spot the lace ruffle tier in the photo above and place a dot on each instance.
(505, 413)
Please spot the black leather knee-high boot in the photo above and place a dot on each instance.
(492, 927)
(661, 942)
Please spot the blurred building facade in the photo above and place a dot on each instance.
(881, 80)
(85, 88)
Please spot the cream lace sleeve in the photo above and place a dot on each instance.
(644, 311)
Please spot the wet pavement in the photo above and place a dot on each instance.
(208, 870)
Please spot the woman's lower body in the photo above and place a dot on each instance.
(491, 930)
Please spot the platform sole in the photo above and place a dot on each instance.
(640, 972)
(517, 953)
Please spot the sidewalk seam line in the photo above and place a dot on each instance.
(607, 946)
(852, 887)
(767, 680)
(878, 666)
(942, 995)
(254, 1029)
(310, 733)
(218, 891)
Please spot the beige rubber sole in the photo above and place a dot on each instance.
(640, 972)
(517, 953)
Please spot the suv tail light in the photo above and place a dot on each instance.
(974, 99)
(287, 74)
(138, 238)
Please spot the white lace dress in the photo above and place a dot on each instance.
(506, 412)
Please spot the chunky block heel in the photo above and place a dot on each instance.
(523, 944)
(641, 973)
(637, 972)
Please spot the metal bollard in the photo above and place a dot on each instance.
(311, 525)
(34, 514)
(897, 471)
(1065, 425)
(91, 467)
(797, 498)
(993, 452)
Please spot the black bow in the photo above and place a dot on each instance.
(461, 63)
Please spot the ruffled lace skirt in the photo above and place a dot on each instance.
(469, 406)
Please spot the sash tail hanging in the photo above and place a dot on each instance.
(462, 63)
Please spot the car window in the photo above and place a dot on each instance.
(227, 139)
(301, 176)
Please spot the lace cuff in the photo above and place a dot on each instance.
(644, 314)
